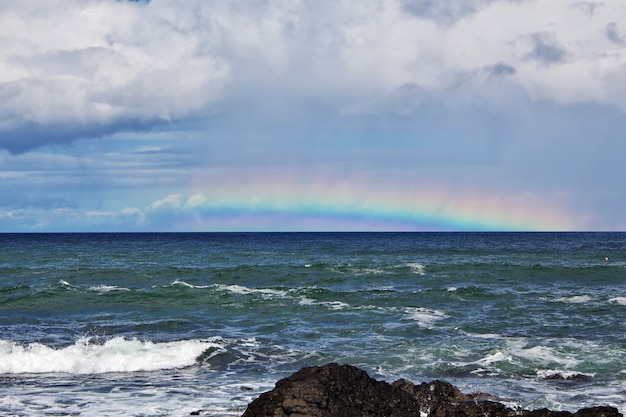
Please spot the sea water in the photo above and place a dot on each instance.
(168, 324)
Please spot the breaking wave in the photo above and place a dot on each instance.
(86, 356)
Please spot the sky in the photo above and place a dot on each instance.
(326, 115)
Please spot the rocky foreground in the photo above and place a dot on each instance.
(345, 391)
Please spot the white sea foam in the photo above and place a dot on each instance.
(486, 364)
(484, 335)
(332, 305)
(541, 354)
(425, 317)
(577, 299)
(186, 284)
(107, 288)
(59, 396)
(241, 290)
(493, 358)
(551, 373)
(373, 271)
(618, 300)
(417, 268)
(85, 357)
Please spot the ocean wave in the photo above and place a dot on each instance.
(496, 357)
(490, 364)
(331, 305)
(543, 355)
(181, 283)
(562, 375)
(417, 268)
(241, 290)
(86, 356)
(618, 300)
(350, 269)
(484, 335)
(107, 288)
(576, 299)
(425, 317)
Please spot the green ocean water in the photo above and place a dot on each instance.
(166, 324)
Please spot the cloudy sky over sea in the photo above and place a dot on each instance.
(185, 115)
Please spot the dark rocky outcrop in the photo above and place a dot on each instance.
(345, 391)
(330, 391)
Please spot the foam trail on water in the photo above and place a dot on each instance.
(577, 299)
(618, 300)
(85, 357)
(425, 317)
(241, 290)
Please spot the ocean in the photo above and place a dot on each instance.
(166, 324)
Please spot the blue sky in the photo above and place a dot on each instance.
(195, 115)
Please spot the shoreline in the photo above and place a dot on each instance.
(344, 390)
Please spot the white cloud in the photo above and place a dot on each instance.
(87, 68)
(171, 201)
(196, 200)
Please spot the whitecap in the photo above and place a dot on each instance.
(241, 290)
(332, 305)
(373, 271)
(542, 354)
(576, 299)
(107, 288)
(417, 268)
(425, 317)
(86, 357)
(494, 357)
(484, 335)
(561, 374)
(618, 300)
(186, 284)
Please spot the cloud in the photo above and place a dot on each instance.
(172, 201)
(500, 69)
(546, 48)
(447, 11)
(588, 6)
(613, 34)
(95, 68)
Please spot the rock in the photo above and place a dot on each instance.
(601, 411)
(345, 391)
(441, 399)
(575, 378)
(330, 391)
(434, 392)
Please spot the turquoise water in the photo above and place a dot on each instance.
(166, 324)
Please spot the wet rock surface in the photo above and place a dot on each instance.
(333, 390)
(346, 391)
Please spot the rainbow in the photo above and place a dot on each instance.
(319, 204)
